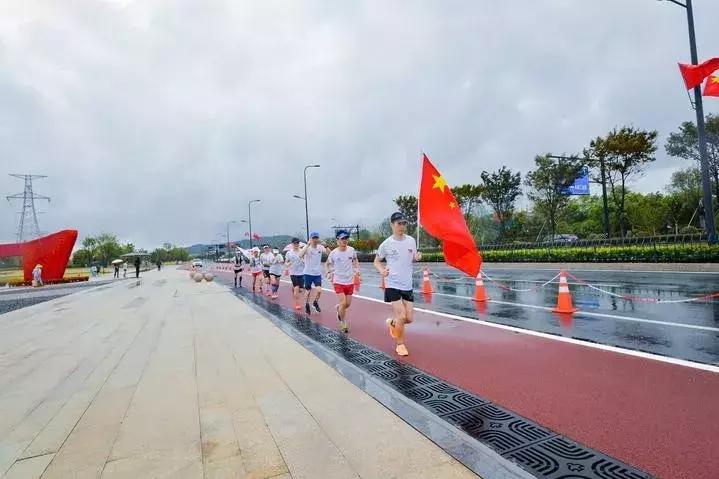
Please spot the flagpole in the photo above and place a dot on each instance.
(418, 196)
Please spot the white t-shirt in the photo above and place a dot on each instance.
(255, 264)
(343, 265)
(278, 264)
(313, 260)
(297, 264)
(400, 255)
(266, 260)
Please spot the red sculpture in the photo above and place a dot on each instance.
(51, 251)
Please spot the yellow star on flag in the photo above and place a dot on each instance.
(439, 182)
(452, 205)
(715, 79)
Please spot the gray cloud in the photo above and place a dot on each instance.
(160, 119)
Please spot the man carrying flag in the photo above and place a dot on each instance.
(400, 251)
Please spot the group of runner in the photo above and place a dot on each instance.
(303, 263)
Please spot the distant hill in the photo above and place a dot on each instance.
(279, 241)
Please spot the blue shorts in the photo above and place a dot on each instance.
(311, 279)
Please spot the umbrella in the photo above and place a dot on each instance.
(117, 261)
(289, 246)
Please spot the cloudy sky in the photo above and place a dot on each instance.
(160, 119)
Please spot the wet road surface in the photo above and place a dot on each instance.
(648, 411)
(681, 330)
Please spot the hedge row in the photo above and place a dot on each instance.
(661, 253)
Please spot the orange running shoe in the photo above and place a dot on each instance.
(402, 350)
(392, 330)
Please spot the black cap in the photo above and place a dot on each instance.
(295, 241)
(341, 234)
(397, 217)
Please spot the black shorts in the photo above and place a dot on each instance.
(238, 271)
(391, 295)
(266, 273)
(298, 281)
(276, 276)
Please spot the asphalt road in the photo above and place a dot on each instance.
(684, 330)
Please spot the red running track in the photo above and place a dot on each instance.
(660, 417)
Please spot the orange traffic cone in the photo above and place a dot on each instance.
(426, 284)
(564, 298)
(480, 295)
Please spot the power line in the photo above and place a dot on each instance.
(28, 227)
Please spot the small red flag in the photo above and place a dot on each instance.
(694, 75)
(442, 218)
(712, 86)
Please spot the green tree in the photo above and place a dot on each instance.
(468, 197)
(583, 216)
(685, 144)
(647, 214)
(548, 183)
(684, 196)
(108, 248)
(626, 152)
(407, 205)
(81, 257)
(500, 191)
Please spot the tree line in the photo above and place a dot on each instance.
(103, 248)
(613, 162)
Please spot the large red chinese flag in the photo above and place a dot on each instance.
(694, 75)
(441, 217)
(712, 87)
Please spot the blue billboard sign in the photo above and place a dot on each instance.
(580, 185)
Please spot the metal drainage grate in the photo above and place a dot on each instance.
(540, 451)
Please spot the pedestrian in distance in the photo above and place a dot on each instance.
(159, 265)
(116, 274)
(137, 266)
(296, 266)
(37, 276)
(124, 269)
(278, 262)
(312, 256)
(341, 266)
(400, 252)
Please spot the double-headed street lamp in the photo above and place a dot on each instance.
(249, 216)
(701, 129)
(307, 214)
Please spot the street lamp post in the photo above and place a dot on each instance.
(248, 233)
(307, 214)
(228, 235)
(701, 128)
(249, 216)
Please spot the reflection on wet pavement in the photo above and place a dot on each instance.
(670, 330)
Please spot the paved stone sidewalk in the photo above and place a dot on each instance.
(164, 377)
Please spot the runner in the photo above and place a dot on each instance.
(312, 255)
(341, 267)
(297, 267)
(266, 258)
(400, 251)
(237, 263)
(278, 262)
(256, 269)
